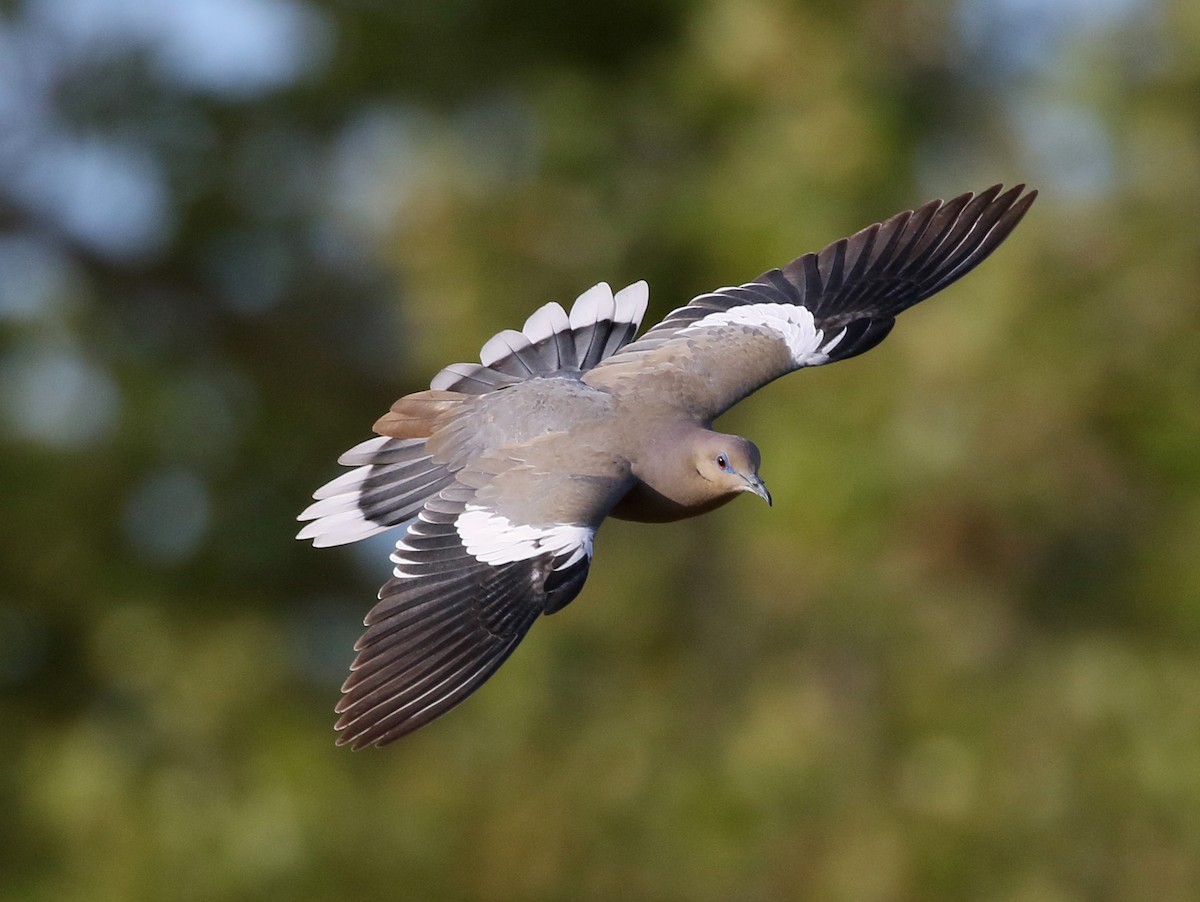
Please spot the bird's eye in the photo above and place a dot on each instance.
(722, 462)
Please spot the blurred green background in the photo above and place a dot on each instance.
(957, 660)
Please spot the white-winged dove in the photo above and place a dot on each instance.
(500, 474)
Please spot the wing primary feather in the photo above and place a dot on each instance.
(829, 264)
(390, 698)
(458, 685)
(431, 645)
(1009, 213)
(941, 224)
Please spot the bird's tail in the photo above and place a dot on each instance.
(552, 342)
(391, 481)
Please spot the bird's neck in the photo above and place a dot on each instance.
(668, 486)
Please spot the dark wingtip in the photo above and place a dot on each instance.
(1027, 201)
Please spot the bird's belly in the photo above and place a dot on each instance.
(644, 504)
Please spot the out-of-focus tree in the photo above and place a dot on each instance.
(956, 660)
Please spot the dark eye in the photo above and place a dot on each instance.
(722, 461)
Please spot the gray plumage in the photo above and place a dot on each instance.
(500, 474)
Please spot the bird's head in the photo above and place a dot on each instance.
(730, 464)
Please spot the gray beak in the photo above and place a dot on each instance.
(756, 485)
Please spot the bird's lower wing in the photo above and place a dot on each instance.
(472, 574)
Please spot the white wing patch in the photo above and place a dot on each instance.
(792, 323)
(492, 538)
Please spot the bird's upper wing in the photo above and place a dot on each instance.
(508, 540)
(722, 346)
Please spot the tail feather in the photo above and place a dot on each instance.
(392, 478)
(552, 343)
(418, 415)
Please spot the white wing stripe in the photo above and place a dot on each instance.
(792, 323)
(494, 539)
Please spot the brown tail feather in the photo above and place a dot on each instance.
(419, 414)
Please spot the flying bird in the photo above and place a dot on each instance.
(499, 475)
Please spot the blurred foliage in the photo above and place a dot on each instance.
(958, 659)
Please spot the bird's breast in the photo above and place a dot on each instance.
(644, 504)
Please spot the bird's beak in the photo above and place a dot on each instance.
(755, 484)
